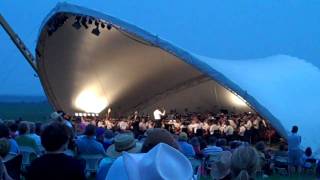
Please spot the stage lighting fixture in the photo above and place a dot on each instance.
(109, 26)
(80, 114)
(84, 114)
(96, 31)
(84, 22)
(103, 25)
(77, 24)
(76, 114)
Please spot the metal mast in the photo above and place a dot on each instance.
(19, 44)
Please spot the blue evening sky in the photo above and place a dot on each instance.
(237, 29)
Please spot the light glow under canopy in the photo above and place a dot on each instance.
(91, 102)
(237, 100)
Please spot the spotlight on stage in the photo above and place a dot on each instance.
(96, 31)
(77, 24)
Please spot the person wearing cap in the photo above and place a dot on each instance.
(60, 116)
(220, 167)
(87, 144)
(122, 143)
(186, 148)
(160, 162)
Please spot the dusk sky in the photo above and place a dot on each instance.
(220, 29)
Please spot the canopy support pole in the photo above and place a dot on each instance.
(19, 44)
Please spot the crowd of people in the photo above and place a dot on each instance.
(167, 146)
(243, 126)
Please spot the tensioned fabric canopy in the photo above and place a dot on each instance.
(127, 69)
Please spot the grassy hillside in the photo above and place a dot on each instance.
(30, 111)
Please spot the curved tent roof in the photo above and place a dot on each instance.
(128, 68)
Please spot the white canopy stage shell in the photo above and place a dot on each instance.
(128, 69)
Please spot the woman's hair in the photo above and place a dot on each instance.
(244, 163)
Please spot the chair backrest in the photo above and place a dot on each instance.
(26, 152)
(69, 153)
(13, 166)
(92, 161)
(311, 160)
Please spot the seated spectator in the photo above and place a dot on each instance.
(149, 166)
(244, 163)
(5, 133)
(282, 151)
(196, 147)
(220, 168)
(122, 143)
(55, 164)
(222, 142)
(32, 133)
(87, 144)
(13, 126)
(280, 158)
(100, 135)
(4, 150)
(59, 116)
(260, 147)
(156, 136)
(307, 158)
(108, 138)
(212, 149)
(234, 145)
(264, 157)
(24, 139)
(186, 148)
(38, 129)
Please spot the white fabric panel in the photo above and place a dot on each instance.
(286, 86)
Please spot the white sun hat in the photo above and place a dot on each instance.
(55, 115)
(161, 162)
